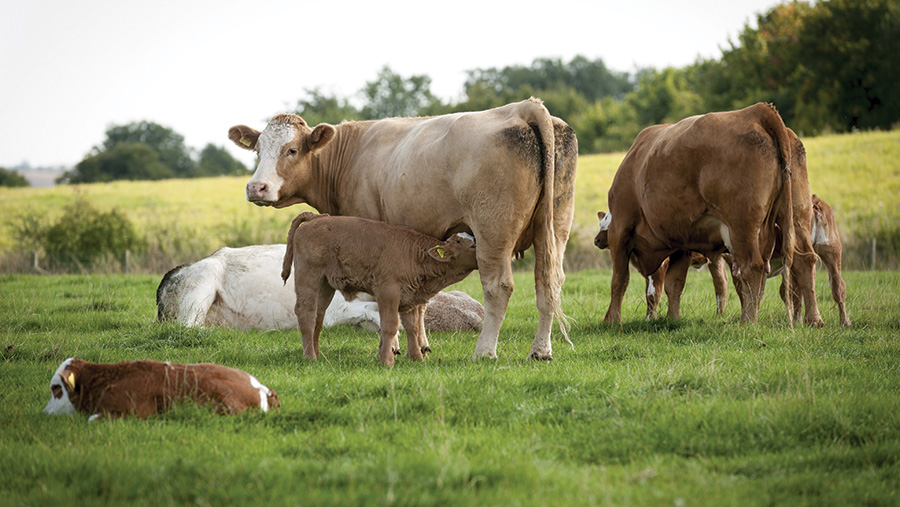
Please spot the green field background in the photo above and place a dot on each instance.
(183, 220)
(700, 411)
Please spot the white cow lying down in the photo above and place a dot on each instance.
(242, 288)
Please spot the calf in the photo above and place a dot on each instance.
(143, 388)
(826, 242)
(239, 288)
(402, 268)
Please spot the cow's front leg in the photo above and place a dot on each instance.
(390, 324)
(497, 283)
(679, 263)
(619, 282)
(718, 272)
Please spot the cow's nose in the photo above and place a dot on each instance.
(256, 189)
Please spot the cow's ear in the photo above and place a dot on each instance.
(601, 214)
(320, 136)
(68, 377)
(244, 137)
(441, 253)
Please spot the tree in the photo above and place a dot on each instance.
(216, 161)
(165, 141)
(125, 161)
(391, 95)
(319, 107)
(12, 179)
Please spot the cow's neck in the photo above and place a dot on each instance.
(333, 175)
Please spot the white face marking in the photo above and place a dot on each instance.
(466, 235)
(604, 223)
(271, 140)
(818, 235)
(59, 398)
(263, 393)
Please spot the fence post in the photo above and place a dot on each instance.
(872, 254)
(126, 260)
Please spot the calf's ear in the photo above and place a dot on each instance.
(441, 253)
(244, 137)
(320, 137)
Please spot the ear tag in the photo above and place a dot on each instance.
(440, 251)
(245, 141)
(71, 380)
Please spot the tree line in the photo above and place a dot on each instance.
(828, 66)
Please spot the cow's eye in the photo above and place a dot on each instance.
(56, 390)
(292, 151)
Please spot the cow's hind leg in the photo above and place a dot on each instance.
(619, 282)
(326, 294)
(832, 259)
(415, 333)
(306, 309)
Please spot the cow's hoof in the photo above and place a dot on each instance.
(487, 355)
(425, 350)
(816, 323)
(396, 352)
(534, 356)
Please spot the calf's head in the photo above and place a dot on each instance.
(601, 241)
(285, 150)
(60, 385)
(458, 249)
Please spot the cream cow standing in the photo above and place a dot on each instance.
(506, 175)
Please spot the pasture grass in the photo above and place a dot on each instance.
(700, 411)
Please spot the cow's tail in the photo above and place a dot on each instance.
(784, 215)
(551, 263)
(289, 248)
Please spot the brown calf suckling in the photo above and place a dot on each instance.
(400, 267)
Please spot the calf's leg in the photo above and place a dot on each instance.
(388, 305)
(414, 334)
(306, 310)
(679, 263)
(720, 281)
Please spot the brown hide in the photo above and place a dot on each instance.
(143, 388)
(506, 175)
(400, 267)
(707, 183)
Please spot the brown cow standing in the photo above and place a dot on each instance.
(402, 268)
(707, 183)
(506, 175)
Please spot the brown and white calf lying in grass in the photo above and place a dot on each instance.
(143, 388)
(400, 267)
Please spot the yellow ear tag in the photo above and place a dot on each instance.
(245, 141)
(71, 380)
(440, 251)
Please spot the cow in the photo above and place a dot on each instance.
(709, 183)
(241, 288)
(143, 388)
(402, 268)
(505, 175)
(680, 262)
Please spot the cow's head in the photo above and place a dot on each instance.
(459, 249)
(601, 241)
(285, 149)
(61, 383)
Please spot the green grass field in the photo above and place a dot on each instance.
(701, 411)
(858, 174)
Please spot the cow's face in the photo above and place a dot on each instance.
(459, 249)
(285, 149)
(601, 241)
(59, 392)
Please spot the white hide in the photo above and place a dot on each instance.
(271, 141)
(264, 393)
(242, 288)
(61, 405)
(604, 223)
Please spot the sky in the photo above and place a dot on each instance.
(71, 69)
